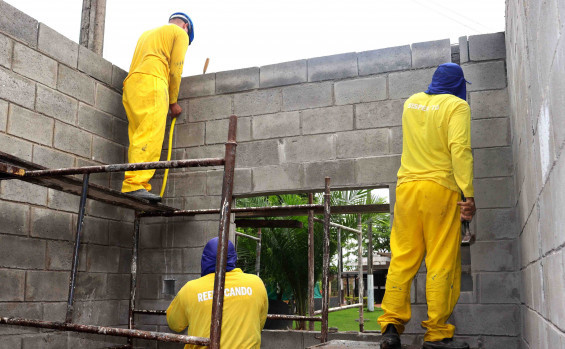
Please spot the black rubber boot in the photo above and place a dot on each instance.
(446, 343)
(390, 338)
(144, 194)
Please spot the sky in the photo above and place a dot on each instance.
(252, 33)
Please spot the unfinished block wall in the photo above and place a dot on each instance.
(60, 106)
(535, 44)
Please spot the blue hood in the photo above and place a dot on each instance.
(208, 262)
(448, 78)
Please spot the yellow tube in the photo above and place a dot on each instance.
(168, 156)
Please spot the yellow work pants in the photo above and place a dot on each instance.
(426, 222)
(146, 101)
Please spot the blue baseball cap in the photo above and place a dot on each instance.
(184, 17)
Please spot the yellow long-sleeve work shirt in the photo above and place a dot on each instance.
(437, 142)
(160, 52)
(244, 312)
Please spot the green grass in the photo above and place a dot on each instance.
(344, 320)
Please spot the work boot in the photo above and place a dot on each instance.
(446, 343)
(144, 194)
(390, 338)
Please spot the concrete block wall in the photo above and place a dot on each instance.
(535, 45)
(60, 106)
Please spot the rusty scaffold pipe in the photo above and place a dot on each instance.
(326, 262)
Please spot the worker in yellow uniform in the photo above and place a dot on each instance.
(150, 90)
(436, 166)
(245, 304)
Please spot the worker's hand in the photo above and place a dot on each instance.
(468, 209)
(175, 110)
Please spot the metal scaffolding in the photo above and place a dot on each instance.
(14, 168)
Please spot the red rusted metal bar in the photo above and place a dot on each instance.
(247, 236)
(339, 268)
(133, 275)
(80, 223)
(258, 254)
(223, 235)
(126, 167)
(106, 331)
(360, 266)
(269, 316)
(331, 310)
(277, 211)
(311, 261)
(326, 263)
(271, 223)
(11, 170)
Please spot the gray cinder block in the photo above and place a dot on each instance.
(109, 101)
(276, 125)
(22, 252)
(489, 104)
(360, 90)
(257, 102)
(332, 67)
(157, 261)
(258, 153)
(217, 130)
(15, 146)
(17, 24)
(120, 234)
(492, 162)
(103, 259)
(379, 114)
(52, 158)
(354, 144)
(404, 84)
(3, 115)
(46, 223)
(118, 286)
(490, 133)
(119, 131)
(494, 192)
(396, 140)
(503, 255)
(95, 121)
(276, 178)
(237, 80)
(342, 173)
(6, 49)
(287, 73)
(17, 89)
(47, 285)
(29, 125)
(94, 65)
(377, 170)
(320, 147)
(495, 319)
(485, 75)
(189, 135)
(76, 84)
(104, 210)
(499, 287)
(209, 108)
(463, 49)
(12, 285)
(57, 46)
(118, 77)
(554, 284)
(23, 192)
(496, 223)
(59, 255)
(307, 96)
(190, 183)
(197, 86)
(91, 286)
(56, 104)
(385, 60)
(73, 140)
(327, 120)
(15, 218)
(487, 46)
(106, 151)
(431, 53)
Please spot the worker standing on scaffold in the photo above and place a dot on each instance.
(436, 165)
(150, 90)
(245, 303)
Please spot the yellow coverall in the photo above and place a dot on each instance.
(436, 164)
(244, 312)
(151, 86)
